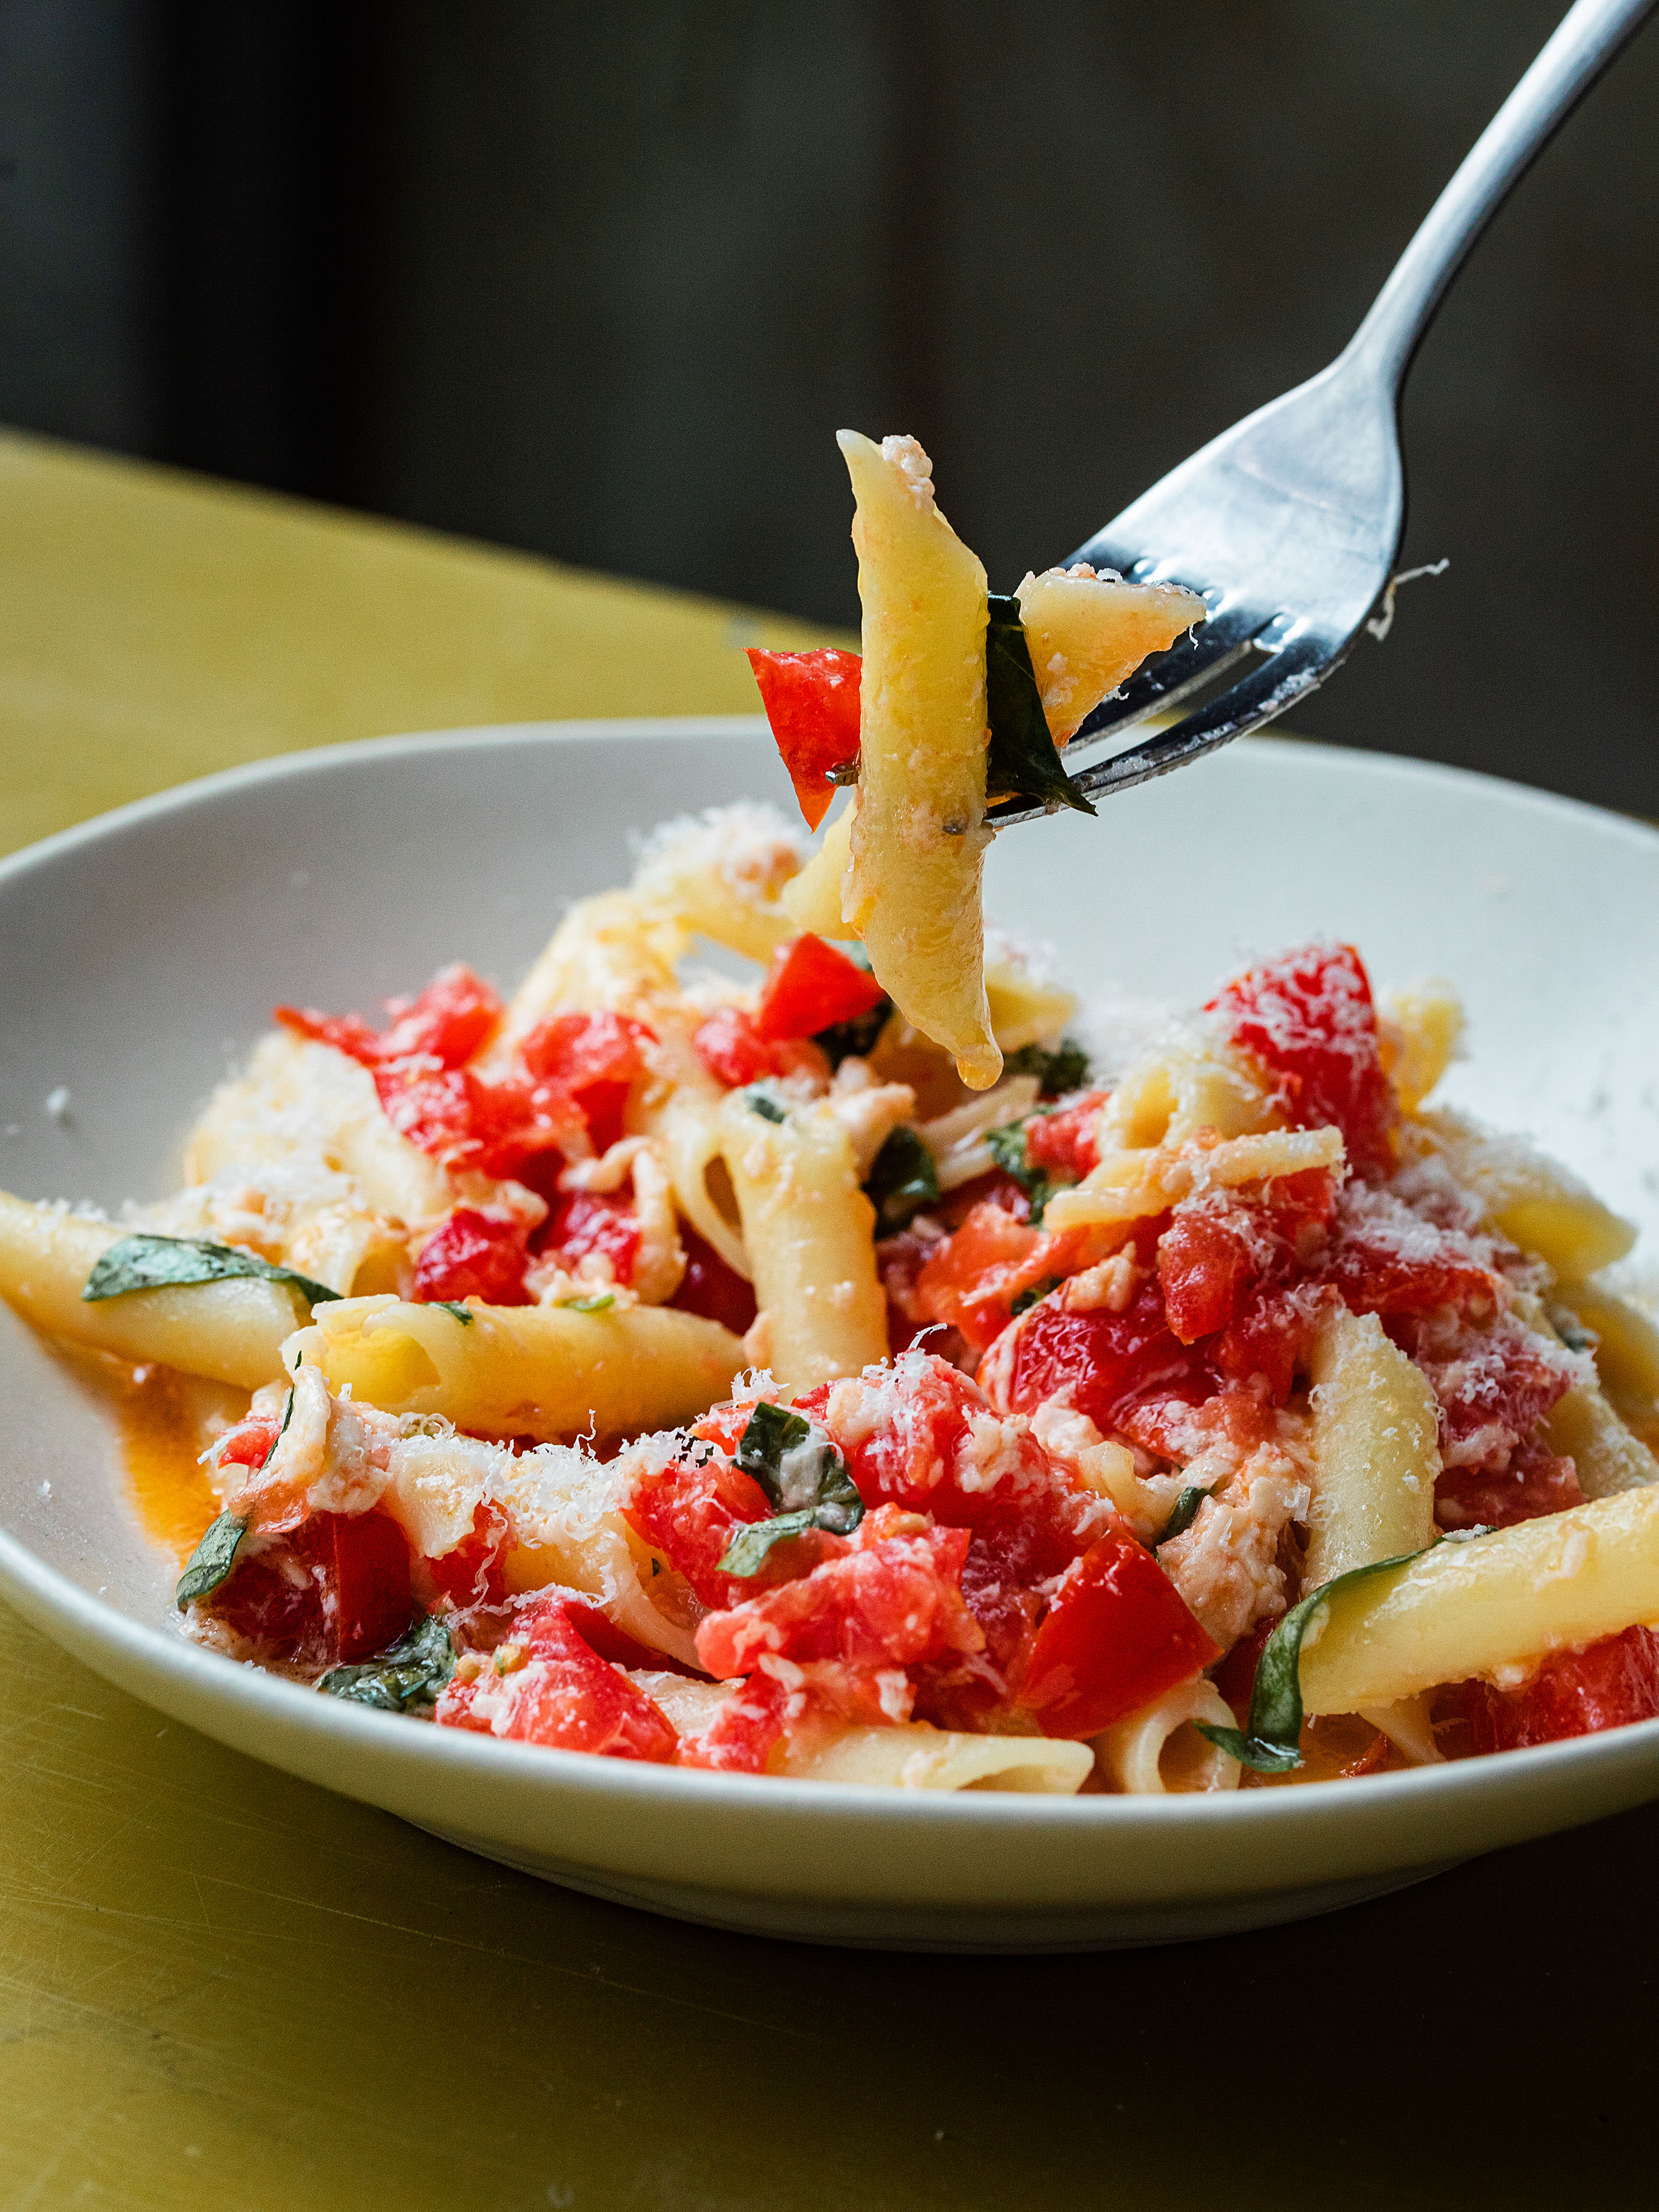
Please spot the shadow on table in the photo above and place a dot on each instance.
(223, 1985)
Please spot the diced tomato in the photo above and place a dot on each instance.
(731, 1048)
(1116, 1636)
(594, 1059)
(1207, 1262)
(335, 1589)
(1066, 1145)
(564, 1697)
(744, 1733)
(691, 1511)
(1309, 1019)
(474, 1254)
(601, 1634)
(1270, 1339)
(810, 985)
(586, 1221)
(891, 1603)
(1494, 1385)
(471, 1574)
(1606, 1684)
(1386, 1258)
(1236, 1676)
(811, 702)
(494, 1127)
(447, 1022)
(712, 1289)
(971, 1279)
(249, 1443)
(1535, 1482)
(1101, 1360)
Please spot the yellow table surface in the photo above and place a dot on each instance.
(219, 1987)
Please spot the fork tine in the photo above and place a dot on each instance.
(1297, 668)
(1169, 676)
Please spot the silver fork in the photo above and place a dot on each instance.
(1289, 523)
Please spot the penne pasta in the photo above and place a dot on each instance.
(545, 1371)
(1159, 1750)
(230, 1331)
(1373, 1449)
(912, 1756)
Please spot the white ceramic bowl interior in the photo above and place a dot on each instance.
(144, 951)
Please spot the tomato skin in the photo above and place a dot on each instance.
(808, 987)
(1606, 1684)
(471, 1574)
(731, 1048)
(474, 1254)
(1116, 1636)
(583, 1222)
(811, 702)
(1309, 1019)
(712, 1289)
(594, 1059)
(447, 1022)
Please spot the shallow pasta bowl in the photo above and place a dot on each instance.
(144, 950)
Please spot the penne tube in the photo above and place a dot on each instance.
(1158, 1751)
(1586, 1430)
(543, 1371)
(1498, 1600)
(230, 1331)
(1374, 1448)
(812, 900)
(910, 1755)
(1128, 1186)
(809, 1230)
(1530, 1200)
(1022, 1010)
(919, 835)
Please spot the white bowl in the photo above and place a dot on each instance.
(144, 951)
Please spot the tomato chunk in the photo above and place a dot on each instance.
(811, 702)
(474, 1254)
(890, 1603)
(336, 1588)
(1309, 1019)
(584, 1222)
(1066, 1145)
(447, 1022)
(563, 1697)
(809, 986)
(969, 1280)
(731, 1048)
(1116, 1636)
(712, 1289)
(1102, 1360)
(1606, 1684)
(594, 1059)
(1535, 1482)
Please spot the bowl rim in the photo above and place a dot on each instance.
(169, 1661)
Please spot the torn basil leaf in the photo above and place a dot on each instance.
(1058, 1067)
(805, 1479)
(404, 1677)
(213, 1558)
(1182, 1514)
(902, 1182)
(453, 1306)
(597, 1302)
(1023, 760)
(1273, 1743)
(855, 1039)
(767, 1108)
(1007, 1149)
(1026, 1299)
(148, 1263)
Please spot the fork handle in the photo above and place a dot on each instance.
(1585, 41)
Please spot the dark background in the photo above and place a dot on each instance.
(601, 282)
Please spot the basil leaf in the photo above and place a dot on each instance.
(1026, 1299)
(1023, 759)
(148, 1263)
(1272, 1745)
(453, 1306)
(902, 1182)
(213, 1558)
(597, 1302)
(404, 1677)
(803, 1477)
(855, 1039)
(767, 1108)
(1058, 1068)
(1007, 1149)
(746, 1552)
(1182, 1514)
